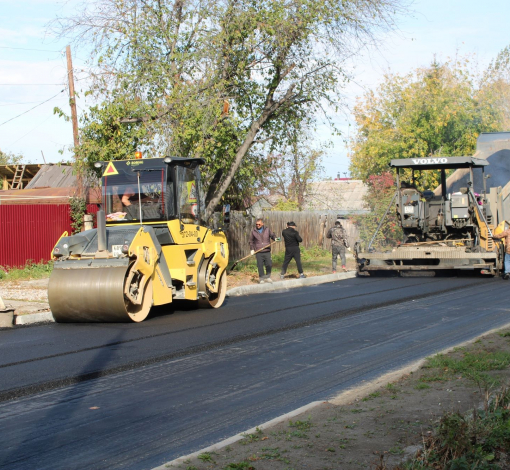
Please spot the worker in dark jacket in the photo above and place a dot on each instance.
(506, 235)
(292, 240)
(338, 244)
(260, 239)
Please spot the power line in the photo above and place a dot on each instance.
(61, 51)
(9, 120)
(30, 84)
(26, 49)
(33, 128)
(16, 104)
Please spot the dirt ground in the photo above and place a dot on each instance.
(376, 427)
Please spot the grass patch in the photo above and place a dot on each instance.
(421, 386)
(475, 440)
(479, 361)
(472, 365)
(371, 396)
(271, 453)
(29, 271)
(313, 259)
(239, 466)
(205, 457)
(391, 387)
(300, 429)
(253, 437)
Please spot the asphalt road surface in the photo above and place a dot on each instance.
(135, 396)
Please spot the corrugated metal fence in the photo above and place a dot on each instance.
(311, 225)
(29, 232)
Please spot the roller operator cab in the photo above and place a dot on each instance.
(442, 230)
(150, 246)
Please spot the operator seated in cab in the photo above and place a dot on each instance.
(130, 199)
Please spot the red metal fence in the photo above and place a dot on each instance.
(29, 232)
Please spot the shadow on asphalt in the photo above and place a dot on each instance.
(55, 414)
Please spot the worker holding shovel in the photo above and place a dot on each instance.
(260, 244)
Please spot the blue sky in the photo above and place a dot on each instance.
(33, 67)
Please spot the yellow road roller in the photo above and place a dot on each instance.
(150, 246)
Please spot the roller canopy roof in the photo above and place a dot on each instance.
(436, 163)
(153, 162)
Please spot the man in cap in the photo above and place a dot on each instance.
(292, 240)
(338, 244)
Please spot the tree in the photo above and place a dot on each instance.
(495, 85)
(10, 158)
(439, 110)
(381, 189)
(291, 170)
(216, 78)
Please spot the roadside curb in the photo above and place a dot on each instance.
(30, 318)
(240, 436)
(284, 285)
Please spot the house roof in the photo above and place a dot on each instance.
(341, 195)
(53, 176)
(45, 184)
(8, 172)
(46, 196)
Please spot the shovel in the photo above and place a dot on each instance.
(246, 257)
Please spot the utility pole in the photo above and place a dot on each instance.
(74, 118)
(72, 100)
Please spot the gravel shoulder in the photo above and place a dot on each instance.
(26, 296)
(377, 426)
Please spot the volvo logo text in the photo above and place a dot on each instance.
(428, 161)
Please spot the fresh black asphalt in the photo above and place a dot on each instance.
(139, 395)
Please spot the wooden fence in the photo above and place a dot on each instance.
(311, 225)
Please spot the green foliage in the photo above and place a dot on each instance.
(469, 441)
(301, 425)
(314, 252)
(480, 361)
(104, 137)
(371, 396)
(205, 457)
(10, 158)
(239, 466)
(283, 205)
(252, 437)
(78, 208)
(292, 169)
(438, 110)
(380, 193)
(421, 386)
(31, 270)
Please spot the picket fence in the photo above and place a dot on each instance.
(311, 225)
